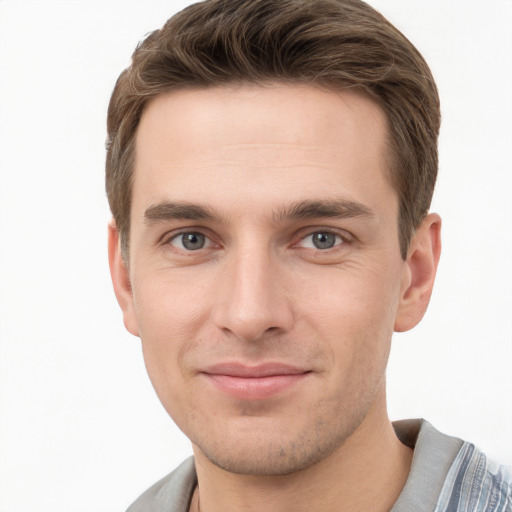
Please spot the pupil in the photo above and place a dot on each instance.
(193, 241)
(324, 240)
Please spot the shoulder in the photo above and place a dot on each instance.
(475, 483)
(450, 475)
(171, 494)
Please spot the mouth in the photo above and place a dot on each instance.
(254, 382)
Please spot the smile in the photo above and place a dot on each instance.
(254, 382)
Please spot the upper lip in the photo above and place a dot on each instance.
(270, 369)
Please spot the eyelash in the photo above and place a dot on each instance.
(168, 240)
(341, 239)
(338, 239)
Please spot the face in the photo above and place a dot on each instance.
(265, 276)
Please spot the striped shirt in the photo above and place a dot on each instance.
(449, 475)
(476, 484)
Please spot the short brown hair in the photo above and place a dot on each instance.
(334, 44)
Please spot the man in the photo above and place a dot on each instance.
(270, 169)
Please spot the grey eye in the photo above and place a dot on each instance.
(190, 241)
(324, 240)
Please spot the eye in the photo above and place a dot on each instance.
(190, 241)
(321, 240)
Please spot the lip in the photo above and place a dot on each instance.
(254, 382)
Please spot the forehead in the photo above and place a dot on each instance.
(263, 141)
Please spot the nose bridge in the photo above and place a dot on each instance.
(252, 301)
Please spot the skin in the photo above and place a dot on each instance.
(259, 174)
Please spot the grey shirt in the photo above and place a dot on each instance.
(447, 475)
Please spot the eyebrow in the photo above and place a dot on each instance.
(337, 208)
(307, 209)
(179, 210)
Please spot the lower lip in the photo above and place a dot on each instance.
(257, 388)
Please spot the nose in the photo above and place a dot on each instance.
(251, 297)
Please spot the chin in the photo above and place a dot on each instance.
(263, 452)
(268, 460)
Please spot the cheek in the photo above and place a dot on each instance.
(167, 304)
(353, 311)
(352, 297)
(170, 318)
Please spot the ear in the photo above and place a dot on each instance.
(121, 279)
(419, 273)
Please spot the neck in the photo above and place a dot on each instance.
(366, 473)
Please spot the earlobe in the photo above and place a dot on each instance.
(121, 279)
(419, 273)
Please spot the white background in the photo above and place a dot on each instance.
(80, 426)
